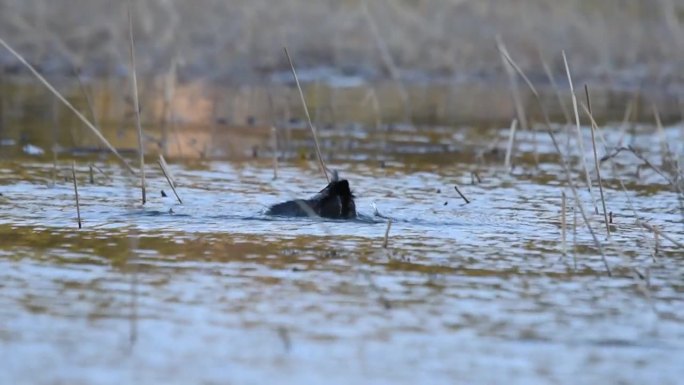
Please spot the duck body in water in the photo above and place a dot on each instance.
(335, 201)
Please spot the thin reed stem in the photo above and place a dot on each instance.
(136, 102)
(387, 59)
(616, 175)
(308, 117)
(574, 238)
(515, 90)
(55, 127)
(109, 178)
(78, 207)
(133, 304)
(625, 121)
(461, 194)
(580, 141)
(666, 154)
(86, 95)
(162, 165)
(509, 149)
(656, 246)
(169, 89)
(3, 98)
(563, 162)
(587, 109)
(274, 138)
(563, 222)
(387, 230)
(556, 90)
(69, 105)
(669, 238)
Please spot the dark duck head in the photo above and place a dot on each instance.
(335, 201)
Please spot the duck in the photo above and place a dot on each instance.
(335, 201)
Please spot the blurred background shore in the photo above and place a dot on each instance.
(242, 40)
(373, 62)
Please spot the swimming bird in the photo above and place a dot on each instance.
(335, 201)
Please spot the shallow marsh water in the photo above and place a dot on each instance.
(213, 291)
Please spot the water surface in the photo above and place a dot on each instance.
(213, 291)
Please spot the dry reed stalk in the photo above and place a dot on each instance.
(55, 126)
(133, 304)
(168, 170)
(587, 109)
(625, 121)
(580, 141)
(308, 117)
(3, 115)
(385, 54)
(69, 105)
(517, 99)
(563, 222)
(574, 238)
(656, 245)
(513, 83)
(647, 163)
(284, 336)
(535, 146)
(209, 146)
(563, 162)
(86, 95)
(136, 101)
(172, 82)
(667, 158)
(109, 178)
(169, 90)
(662, 234)
(317, 98)
(287, 116)
(164, 168)
(666, 154)
(78, 206)
(274, 134)
(387, 230)
(373, 98)
(332, 104)
(274, 138)
(387, 59)
(670, 12)
(509, 148)
(556, 90)
(461, 194)
(617, 177)
(376, 109)
(564, 109)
